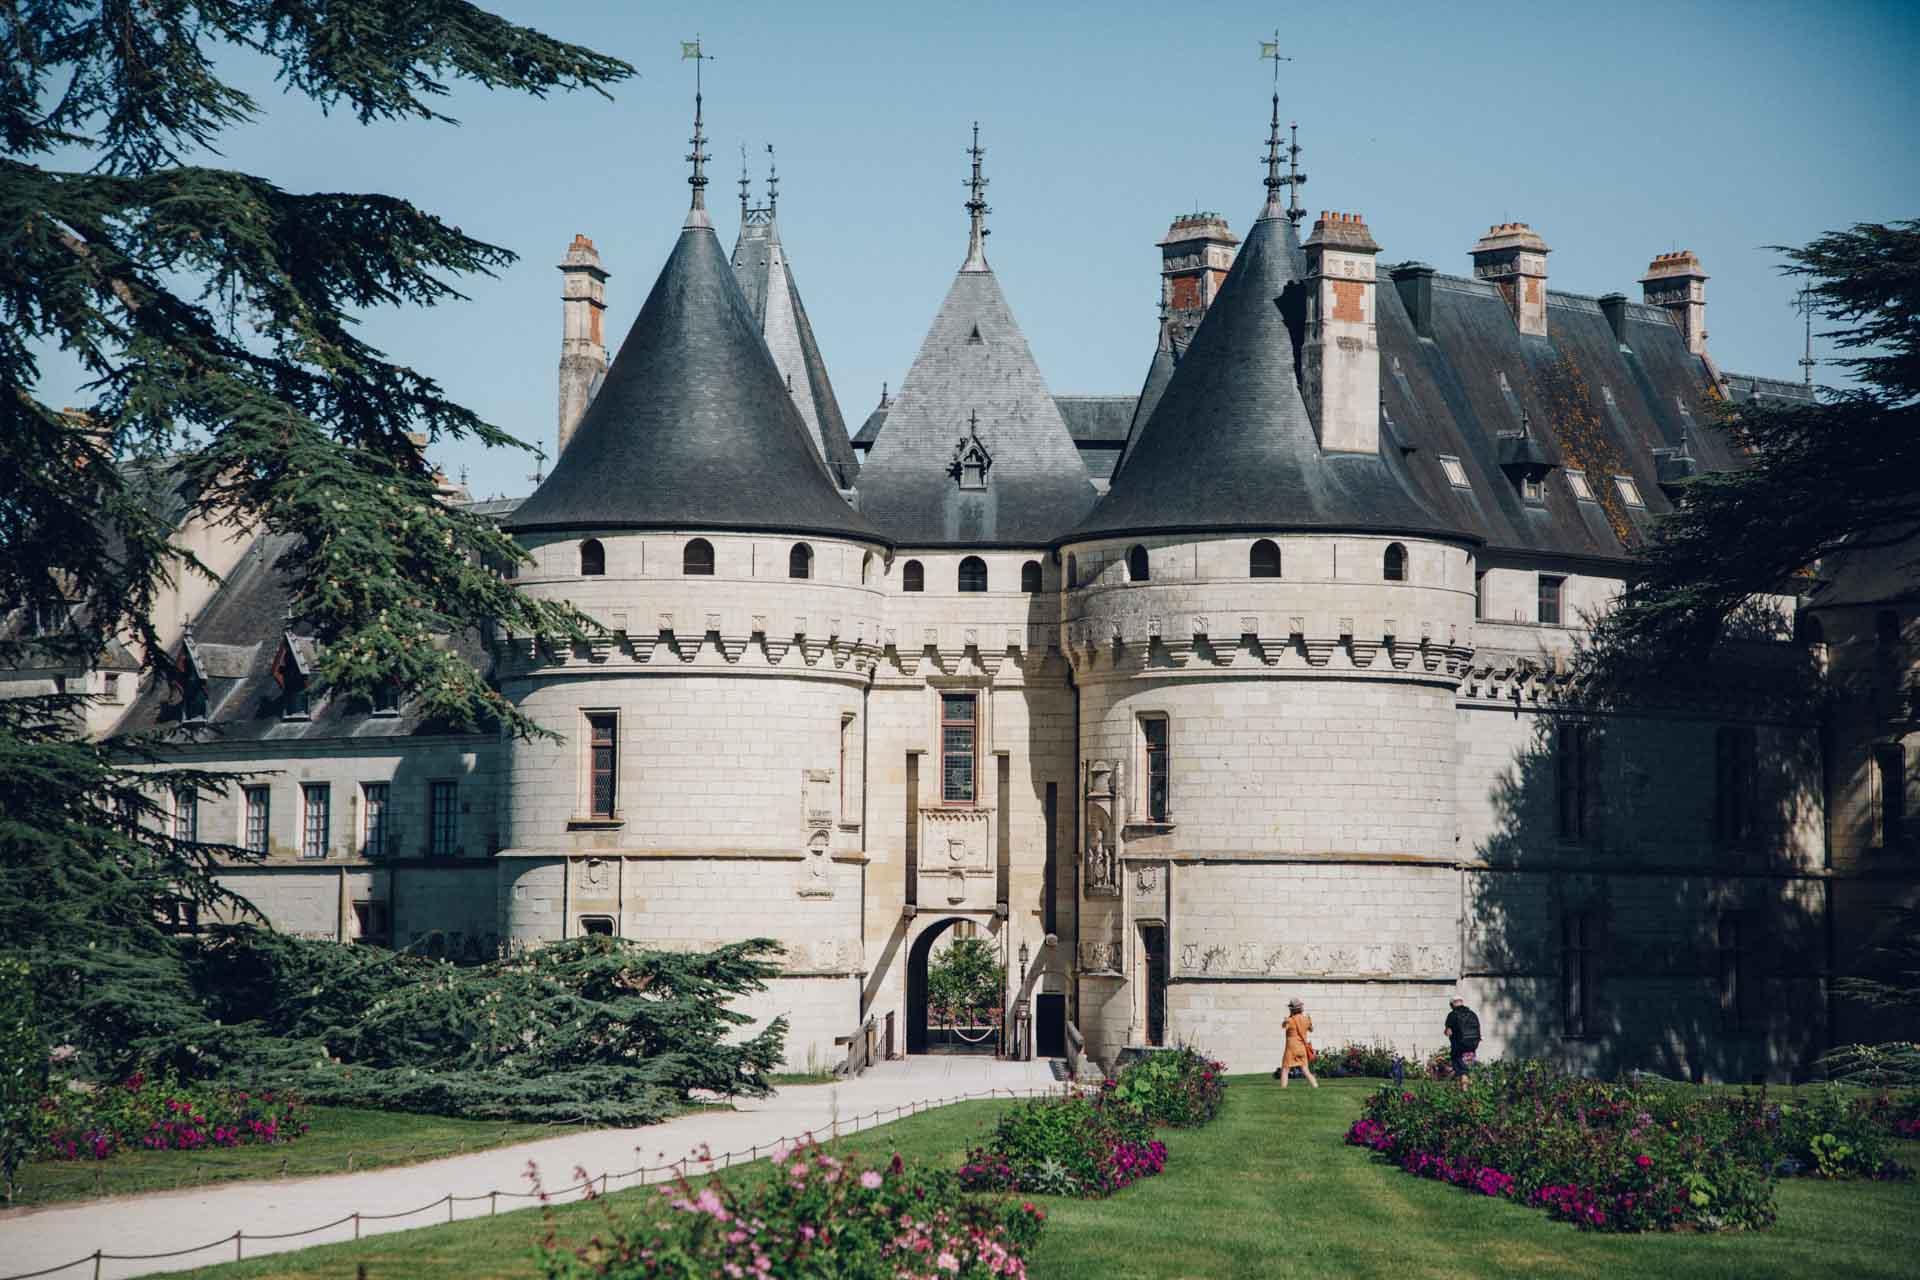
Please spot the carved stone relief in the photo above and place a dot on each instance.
(816, 873)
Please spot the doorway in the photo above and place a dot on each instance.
(920, 1037)
(1153, 945)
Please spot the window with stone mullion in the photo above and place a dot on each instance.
(603, 764)
(957, 747)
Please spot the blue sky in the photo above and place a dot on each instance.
(1617, 131)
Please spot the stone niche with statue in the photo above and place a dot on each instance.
(958, 871)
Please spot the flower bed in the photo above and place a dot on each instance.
(1180, 1087)
(1356, 1059)
(159, 1115)
(1084, 1144)
(1896, 1113)
(1621, 1156)
(816, 1215)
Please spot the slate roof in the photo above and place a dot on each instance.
(693, 427)
(870, 429)
(1230, 445)
(233, 643)
(765, 273)
(974, 360)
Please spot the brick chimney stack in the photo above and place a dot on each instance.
(1340, 368)
(1675, 283)
(1195, 256)
(583, 347)
(1513, 258)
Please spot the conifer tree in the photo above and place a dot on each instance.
(213, 315)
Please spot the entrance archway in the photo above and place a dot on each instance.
(918, 955)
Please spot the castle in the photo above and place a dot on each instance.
(1247, 687)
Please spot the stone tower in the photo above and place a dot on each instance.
(1195, 256)
(1675, 283)
(1513, 258)
(583, 347)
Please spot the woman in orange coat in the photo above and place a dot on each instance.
(1299, 1053)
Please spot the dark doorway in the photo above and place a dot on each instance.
(918, 1038)
(1153, 938)
(1050, 1026)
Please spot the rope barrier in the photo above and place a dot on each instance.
(679, 1167)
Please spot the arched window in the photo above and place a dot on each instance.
(697, 558)
(1073, 572)
(593, 559)
(1137, 564)
(800, 561)
(913, 577)
(1263, 561)
(1030, 577)
(1393, 566)
(973, 574)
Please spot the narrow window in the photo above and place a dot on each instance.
(603, 763)
(293, 702)
(373, 819)
(1552, 589)
(596, 926)
(1263, 561)
(193, 700)
(1393, 566)
(593, 559)
(697, 559)
(846, 758)
(1576, 972)
(800, 561)
(1137, 567)
(1733, 790)
(1073, 572)
(1573, 761)
(259, 817)
(316, 816)
(957, 738)
(186, 815)
(973, 574)
(1480, 594)
(1030, 577)
(1153, 732)
(110, 687)
(443, 818)
(1736, 987)
(913, 577)
(1890, 806)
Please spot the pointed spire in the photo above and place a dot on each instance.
(744, 182)
(977, 210)
(697, 212)
(773, 183)
(1274, 179)
(1295, 178)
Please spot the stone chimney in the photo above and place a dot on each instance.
(1675, 283)
(1195, 256)
(1340, 366)
(583, 347)
(1512, 258)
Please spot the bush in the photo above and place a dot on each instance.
(23, 1068)
(1181, 1087)
(163, 1115)
(1083, 1144)
(815, 1215)
(1897, 1114)
(1355, 1059)
(1629, 1156)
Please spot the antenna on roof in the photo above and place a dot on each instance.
(1804, 305)
(977, 209)
(697, 214)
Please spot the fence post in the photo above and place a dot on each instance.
(236, 1245)
(603, 1184)
(493, 1203)
(449, 1206)
(356, 1224)
(96, 1264)
(349, 1162)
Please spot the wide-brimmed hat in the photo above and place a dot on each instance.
(1296, 1004)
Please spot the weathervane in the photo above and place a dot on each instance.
(977, 208)
(1292, 178)
(698, 181)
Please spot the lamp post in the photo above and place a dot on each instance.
(1023, 1034)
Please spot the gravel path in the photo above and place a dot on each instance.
(33, 1241)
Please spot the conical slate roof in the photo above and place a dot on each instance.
(693, 426)
(1230, 445)
(765, 274)
(975, 361)
(1160, 372)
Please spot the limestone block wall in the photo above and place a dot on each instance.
(308, 902)
(1243, 1023)
(459, 902)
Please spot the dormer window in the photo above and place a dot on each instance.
(193, 700)
(292, 672)
(293, 700)
(1456, 474)
(1629, 491)
(971, 461)
(1577, 481)
(386, 699)
(1533, 490)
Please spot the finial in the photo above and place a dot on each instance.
(744, 183)
(773, 182)
(977, 209)
(884, 402)
(539, 467)
(1270, 52)
(697, 213)
(1295, 178)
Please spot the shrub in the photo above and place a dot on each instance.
(163, 1115)
(1355, 1059)
(1181, 1087)
(1897, 1114)
(813, 1215)
(1083, 1144)
(23, 1068)
(1628, 1156)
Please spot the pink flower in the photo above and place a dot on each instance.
(1645, 1162)
(947, 1262)
(870, 1180)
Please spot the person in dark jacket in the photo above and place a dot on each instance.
(1463, 1038)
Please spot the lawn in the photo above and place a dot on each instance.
(1269, 1189)
(335, 1135)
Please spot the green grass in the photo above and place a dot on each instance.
(779, 1078)
(1269, 1189)
(371, 1139)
